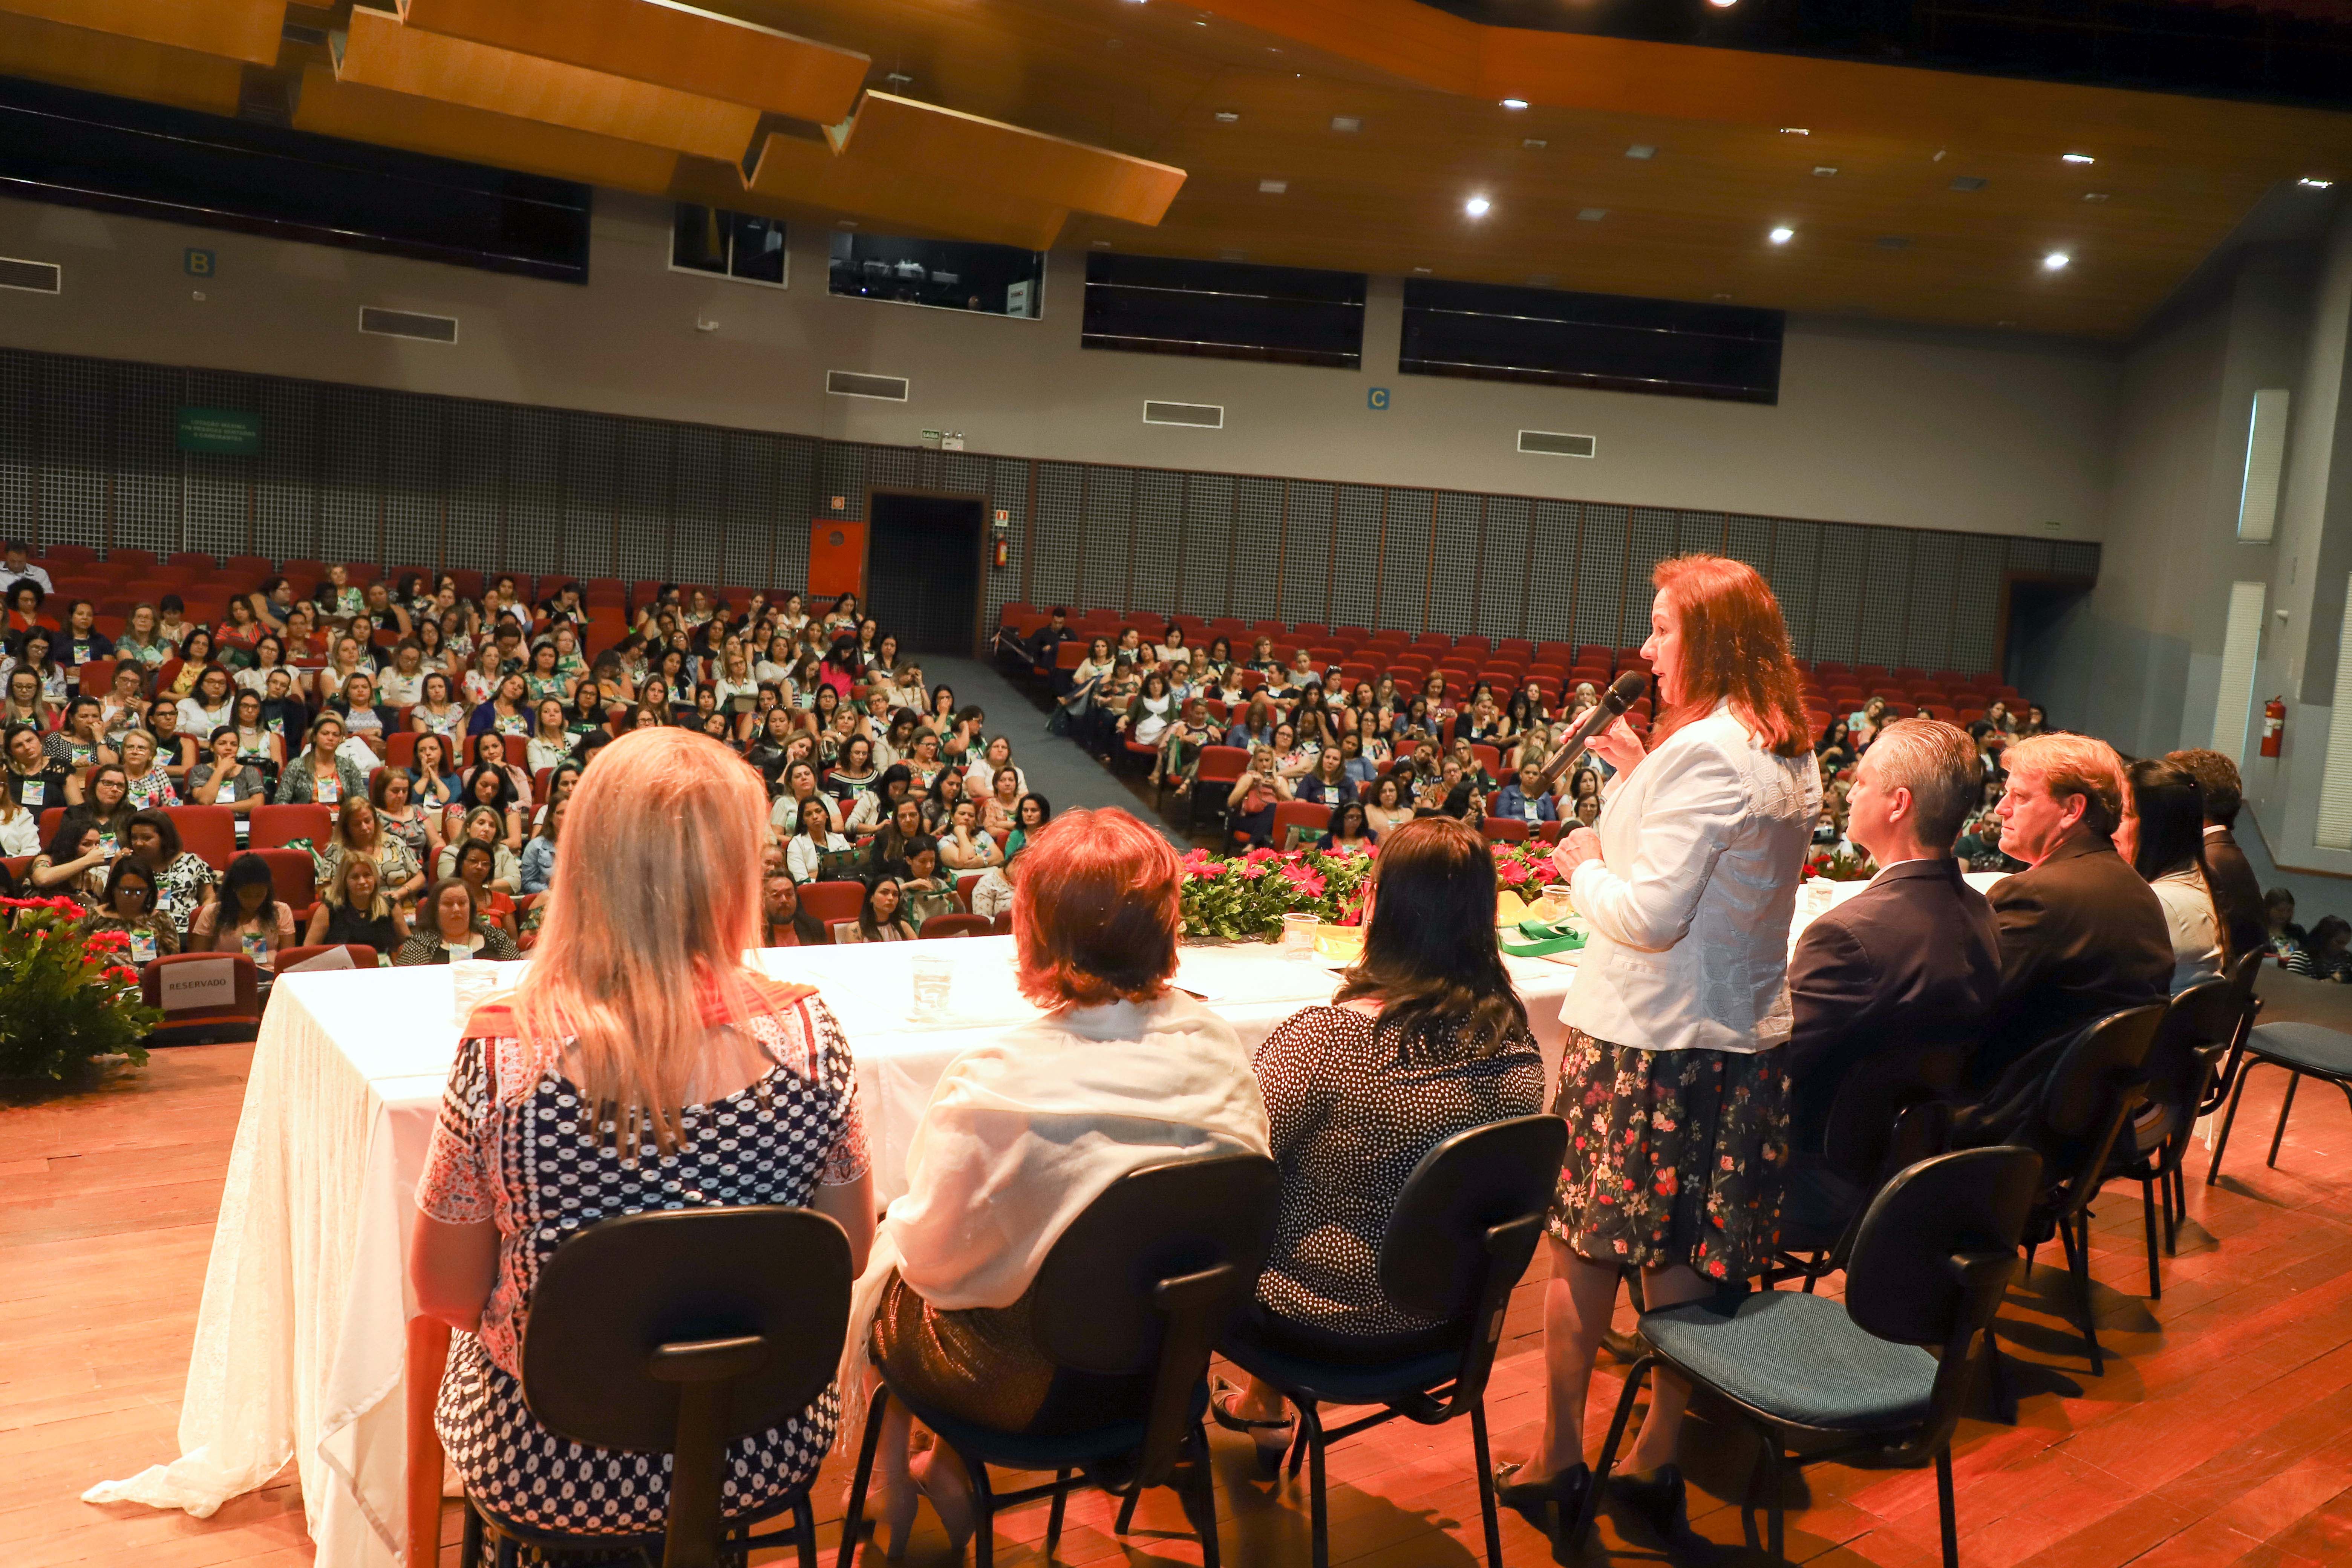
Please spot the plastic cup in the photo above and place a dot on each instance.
(934, 979)
(1299, 934)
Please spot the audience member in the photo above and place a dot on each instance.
(247, 918)
(449, 928)
(354, 909)
(2237, 896)
(880, 917)
(2278, 922)
(2162, 836)
(783, 923)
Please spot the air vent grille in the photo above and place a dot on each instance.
(1201, 416)
(382, 323)
(850, 384)
(32, 277)
(1553, 444)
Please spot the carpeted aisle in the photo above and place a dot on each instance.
(1055, 767)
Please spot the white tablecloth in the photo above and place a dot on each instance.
(301, 1335)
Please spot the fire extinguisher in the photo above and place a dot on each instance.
(2274, 722)
(1003, 554)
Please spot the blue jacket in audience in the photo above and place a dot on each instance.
(1510, 802)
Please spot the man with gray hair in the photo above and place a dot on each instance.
(1911, 964)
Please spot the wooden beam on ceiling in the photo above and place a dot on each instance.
(904, 135)
(934, 200)
(233, 29)
(379, 52)
(358, 113)
(660, 41)
(125, 67)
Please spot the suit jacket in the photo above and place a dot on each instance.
(2081, 936)
(1911, 962)
(2237, 897)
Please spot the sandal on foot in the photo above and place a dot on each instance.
(1224, 1397)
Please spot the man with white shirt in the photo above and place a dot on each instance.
(1911, 962)
(16, 567)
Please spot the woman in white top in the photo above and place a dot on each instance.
(1171, 653)
(551, 741)
(402, 680)
(2163, 837)
(810, 835)
(1148, 716)
(966, 846)
(210, 706)
(435, 712)
(1674, 1093)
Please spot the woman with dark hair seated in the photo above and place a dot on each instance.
(2163, 837)
(129, 906)
(1425, 1040)
(247, 918)
(1024, 1131)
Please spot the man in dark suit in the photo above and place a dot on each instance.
(2081, 934)
(2237, 896)
(1912, 962)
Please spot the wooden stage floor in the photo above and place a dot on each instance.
(2221, 1431)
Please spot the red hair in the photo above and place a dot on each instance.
(1096, 911)
(1734, 645)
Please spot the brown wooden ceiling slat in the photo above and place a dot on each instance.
(126, 67)
(903, 133)
(235, 29)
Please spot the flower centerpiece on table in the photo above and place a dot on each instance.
(1243, 897)
(68, 995)
(1839, 865)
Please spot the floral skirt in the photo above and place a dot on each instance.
(1673, 1156)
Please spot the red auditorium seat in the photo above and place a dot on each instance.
(1504, 830)
(275, 826)
(233, 1007)
(132, 560)
(293, 879)
(79, 554)
(830, 903)
(207, 831)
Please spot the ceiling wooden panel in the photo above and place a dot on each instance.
(234, 29)
(333, 108)
(676, 46)
(932, 199)
(1052, 171)
(379, 52)
(126, 67)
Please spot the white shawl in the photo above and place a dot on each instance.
(1024, 1131)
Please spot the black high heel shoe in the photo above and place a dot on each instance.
(1659, 1503)
(1529, 1499)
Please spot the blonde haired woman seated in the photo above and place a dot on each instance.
(1025, 1130)
(720, 1082)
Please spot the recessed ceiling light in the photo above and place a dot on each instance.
(1894, 242)
(1226, 117)
(1640, 150)
(1591, 215)
(1104, 244)
(2055, 261)
(1515, 103)
(1723, 296)
(1346, 123)
(2095, 195)
(2076, 158)
(2316, 184)
(846, 222)
(1233, 256)
(1271, 187)
(1542, 280)
(898, 78)
(1477, 207)
(1782, 234)
(1723, 5)
(1969, 183)
(1825, 170)
(1536, 144)
(1794, 131)
(1421, 269)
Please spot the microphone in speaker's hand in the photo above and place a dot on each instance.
(1622, 693)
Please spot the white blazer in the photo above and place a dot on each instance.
(1703, 846)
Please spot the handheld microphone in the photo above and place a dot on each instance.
(1622, 693)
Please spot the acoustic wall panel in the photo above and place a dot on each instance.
(1653, 536)
(1007, 482)
(2032, 555)
(751, 509)
(1404, 562)
(1600, 576)
(641, 501)
(1841, 578)
(473, 535)
(2076, 557)
(797, 462)
(1159, 526)
(1208, 545)
(1356, 555)
(1257, 546)
(1454, 566)
(1054, 558)
(1700, 533)
(1109, 530)
(20, 445)
(1554, 550)
(351, 472)
(698, 503)
(1927, 626)
(535, 491)
(1796, 554)
(1750, 539)
(414, 481)
(1976, 603)
(1503, 568)
(218, 512)
(592, 487)
(147, 501)
(75, 479)
(843, 476)
(1879, 596)
(896, 468)
(1307, 552)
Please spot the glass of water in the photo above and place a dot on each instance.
(934, 978)
(1299, 934)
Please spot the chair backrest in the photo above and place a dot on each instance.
(293, 879)
(1146, 1278)
(1875, 1092)
(2197, 1028)
(830, 903)
(1900, 1281)
(202, 987)
(954, 925)
(275, 826)
(1437, 1252)
(208, 831)
(2081, 1090)
(362, 955)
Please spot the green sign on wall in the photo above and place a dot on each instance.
(230, 431)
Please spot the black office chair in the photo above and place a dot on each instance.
(1935, 1254)
(1889, 1113)
(1457, 1242)
(2181, 1061)
(2097, 1084)
(680, 1332)
(2304, 1050)
(1143, 1282)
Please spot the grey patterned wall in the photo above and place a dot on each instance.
(88, 457)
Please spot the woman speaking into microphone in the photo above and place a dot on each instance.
(1671, 1082)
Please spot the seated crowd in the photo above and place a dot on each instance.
(443, 732)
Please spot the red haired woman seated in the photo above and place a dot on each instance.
(1122, 1073)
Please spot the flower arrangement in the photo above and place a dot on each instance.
(1839, 865)
(68, 994)
(1524, 865)
(1244, 897)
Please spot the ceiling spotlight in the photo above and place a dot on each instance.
(1271, 187)
(2095, 195)
(1723, 5)
(1421, 269)
(2076, 158)
(1476, 206)
(1590, 214)
(1640, 150)
(1794, 131)
(1515, 103)
(1782, 234)
(1347, 122)
(1825, 170)
(2315, 184)
(1226, 117)
(2055, 261)
(1536, 144)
